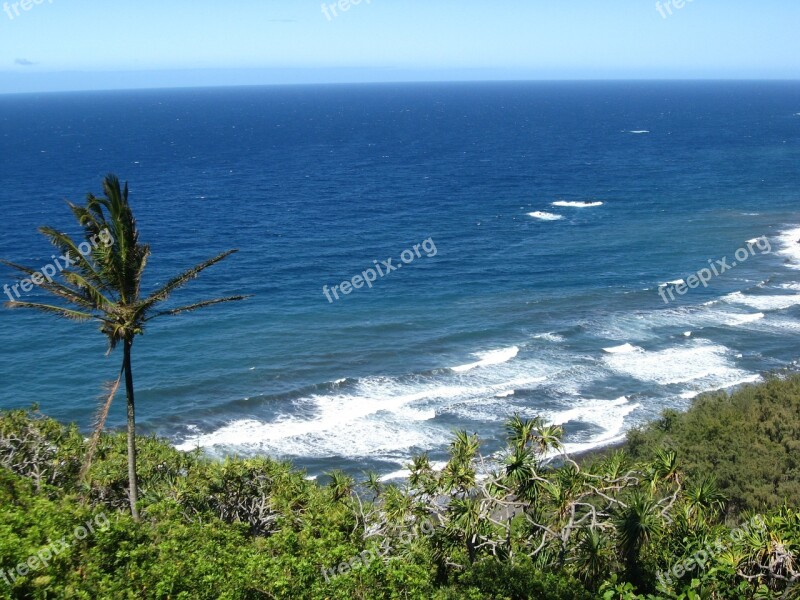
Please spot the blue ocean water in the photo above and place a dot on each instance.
(557, 314)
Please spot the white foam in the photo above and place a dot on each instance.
(585, 204)
(696, 360)
(669, 283)
(588, 411)
(623, 349)
(598, 442)
(609, 415)
(791, 286)
(377, 417)
(687, 334)
(404, 473)
(777, 302)
(505, 394)
(549, 337)
(545, 216)
(790, 242)
(493, 357)
(639, 131)
(691, 394)
(744, 319)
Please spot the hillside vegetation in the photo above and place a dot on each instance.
(749, 440)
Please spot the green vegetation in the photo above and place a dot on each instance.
(104, 286)
(651, 522)
(750, 441)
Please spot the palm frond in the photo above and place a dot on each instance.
(67, 246)
(100, 421)
(56, 310)
(182, 279)
(197, 306)
(90, 292)
(71, 295)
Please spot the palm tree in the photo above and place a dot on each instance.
(103, 284)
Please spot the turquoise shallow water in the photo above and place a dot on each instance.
(556, 313)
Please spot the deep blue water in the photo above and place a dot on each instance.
(511, 312)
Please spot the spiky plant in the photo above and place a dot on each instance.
(704, 498)
(101, 282)
(593, 555)
(520, 432)
(637, 524)
(548, 437)
(341, 485)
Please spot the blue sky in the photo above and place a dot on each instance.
(85, 44)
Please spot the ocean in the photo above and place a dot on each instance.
(542, 231)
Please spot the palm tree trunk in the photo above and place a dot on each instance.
(133, 483)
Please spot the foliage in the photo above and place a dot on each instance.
(750, 441)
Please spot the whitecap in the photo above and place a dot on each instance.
(744, 319)
(545, 216)
(583, 204)
(762, 303)
(549, 337)
(639, 131)
(790, 241)
(623, 349)
(493, 357)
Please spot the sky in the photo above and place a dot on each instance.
(59, 45)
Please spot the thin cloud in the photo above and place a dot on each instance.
(24, 62)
